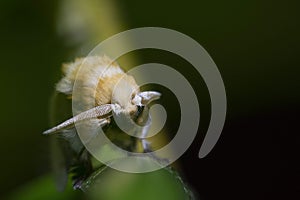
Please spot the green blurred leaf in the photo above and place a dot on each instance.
(43, 188)
(110, 184)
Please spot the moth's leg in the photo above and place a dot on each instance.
(104, 122)
(102, 111)
(146, 146)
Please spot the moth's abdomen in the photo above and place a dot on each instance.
(90, 75)
(93, 67)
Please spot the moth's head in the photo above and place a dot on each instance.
(142, 100)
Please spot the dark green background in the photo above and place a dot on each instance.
(255, 45)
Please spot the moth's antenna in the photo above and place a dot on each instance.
(99, 111)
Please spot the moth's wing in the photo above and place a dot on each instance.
(68, 155)
(61, 153)
(60, 163)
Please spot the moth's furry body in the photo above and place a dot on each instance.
(101, 89)
(97, 81)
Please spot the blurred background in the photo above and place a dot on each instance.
(255, 45)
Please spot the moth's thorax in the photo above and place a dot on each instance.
(117, 89)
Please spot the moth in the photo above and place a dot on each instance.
(111, 91)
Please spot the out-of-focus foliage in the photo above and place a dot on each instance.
(110, 184)
(43, 188)
(163, 184)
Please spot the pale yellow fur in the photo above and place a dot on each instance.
(96, 82)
